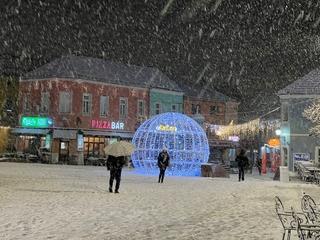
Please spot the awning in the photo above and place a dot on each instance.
(65, 134)
(30, 131)
(110, 134)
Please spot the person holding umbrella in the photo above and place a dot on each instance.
(116, 160)
(115, 165)
(163, 163)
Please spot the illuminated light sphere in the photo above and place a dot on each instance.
(184, 138)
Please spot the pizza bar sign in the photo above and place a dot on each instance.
(104, 124)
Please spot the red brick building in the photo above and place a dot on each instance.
(214, 107)
(101, 100)
(91, 102)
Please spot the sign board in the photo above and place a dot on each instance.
(36, 122)
(166, 128)
(48, 141)
(80, 142)
(234, 138)
(104, 124)
(301, 156)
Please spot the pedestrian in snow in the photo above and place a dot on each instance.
(243, 162)
(163, 163)
(115, 164)
(259, 163)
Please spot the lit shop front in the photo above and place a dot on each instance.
(68, 145)
(101, 134)
(33, 133)
(270, 155)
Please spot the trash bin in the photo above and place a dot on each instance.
(284, 174)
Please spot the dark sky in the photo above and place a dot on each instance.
(246, 49)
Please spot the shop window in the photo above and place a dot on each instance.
(141, 108)
(65, 102)
(86, 103)
(157, 108)
(45, 102)
(123, 108)
(94, 146)
(104, 106)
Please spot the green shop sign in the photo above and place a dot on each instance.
(36, 122)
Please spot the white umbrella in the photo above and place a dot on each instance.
(119, 149)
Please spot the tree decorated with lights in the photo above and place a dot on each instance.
(184, 138)
(312, 113)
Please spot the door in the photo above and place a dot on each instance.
(63, 152)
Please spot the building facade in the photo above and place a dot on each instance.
(214, 107)
(296, 141)
(73, 107)
(162, 101)
(87, 100)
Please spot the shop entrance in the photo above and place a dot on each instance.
(63, 151)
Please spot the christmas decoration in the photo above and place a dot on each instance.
(183, 137)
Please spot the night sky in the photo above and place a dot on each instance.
(245, 49)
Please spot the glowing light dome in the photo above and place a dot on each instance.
(184, 138)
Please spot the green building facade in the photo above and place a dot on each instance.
(162, 101)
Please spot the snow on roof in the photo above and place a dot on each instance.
(100, 70)
(306, 85)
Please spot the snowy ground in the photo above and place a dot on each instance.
(71, 202)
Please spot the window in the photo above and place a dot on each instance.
(86, 104)
(123, 107)
(158, 108)
(26, 105)
(213, 109)
(285, 112)
(45, 102)
(193, 109)
(104, 106)
(174, 107)
(65, 102)
(141, 108)
(198, 109)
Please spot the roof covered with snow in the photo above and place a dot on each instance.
(204, 93)
(306, 85)
(95, 69)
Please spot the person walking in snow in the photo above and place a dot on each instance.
(242, 161)
(115, 164)
(163, 163)
(259, 163)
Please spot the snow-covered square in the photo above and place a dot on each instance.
(40, 201)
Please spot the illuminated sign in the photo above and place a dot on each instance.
(234, 138)
(274, 142)
(36, 122)
(166, 128)
(104, 124)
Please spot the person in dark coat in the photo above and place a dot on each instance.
(242, 161)
(259, 163)
(115, 164)
(163, 163)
